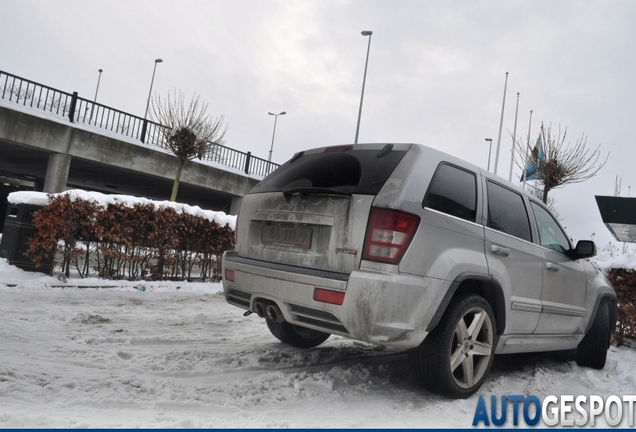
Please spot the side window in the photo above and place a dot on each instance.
(507, 212)
(453, 191)
(550, 233)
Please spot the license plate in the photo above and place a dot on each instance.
(286, 236)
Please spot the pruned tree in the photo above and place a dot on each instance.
(550, 203)
(188, 132)
(552, 163)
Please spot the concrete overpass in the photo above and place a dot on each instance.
(41, 149)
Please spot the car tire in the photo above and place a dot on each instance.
(592, 350)
(457, 355)
(297, 336)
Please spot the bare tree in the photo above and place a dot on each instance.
(553, 163)
(188, 132)
(550, 203)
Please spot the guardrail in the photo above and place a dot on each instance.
(79, 110)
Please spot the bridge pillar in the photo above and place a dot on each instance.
(57, 173)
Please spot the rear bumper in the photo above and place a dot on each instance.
(380, 306)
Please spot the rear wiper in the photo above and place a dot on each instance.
(314, 190)
(296, 157)
(385, 151)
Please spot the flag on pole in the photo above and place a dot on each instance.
(537, 159)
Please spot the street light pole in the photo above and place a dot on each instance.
(364, 33)
(489, 151)
(99, 78)
(151, 82)
(271, 149)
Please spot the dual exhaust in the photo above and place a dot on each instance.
(268, 310)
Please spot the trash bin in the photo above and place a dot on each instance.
(18, 228)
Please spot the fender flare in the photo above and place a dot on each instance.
(489, 288)
(613, 311)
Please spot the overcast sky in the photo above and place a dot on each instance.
(436, 72)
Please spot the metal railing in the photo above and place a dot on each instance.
(79, 110)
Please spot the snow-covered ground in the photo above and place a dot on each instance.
(73, 354)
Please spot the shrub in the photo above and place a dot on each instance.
(122, 242)
(624, 282)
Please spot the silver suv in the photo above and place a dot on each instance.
(405, 246)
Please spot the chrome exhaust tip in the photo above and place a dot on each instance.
(259, 309)
(274, 313)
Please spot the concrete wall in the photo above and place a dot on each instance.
(58, 138)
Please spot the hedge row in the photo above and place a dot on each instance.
(123, 242)
(624, 282)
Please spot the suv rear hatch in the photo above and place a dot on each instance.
(312, 212)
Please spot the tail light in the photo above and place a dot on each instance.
(335, 149)
(388, 235)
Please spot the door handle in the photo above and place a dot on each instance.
(498, 250)
(551, 266)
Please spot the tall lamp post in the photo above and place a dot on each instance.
(271, 149)
(99, 78)
(364, 33)
(489, 151)
(151, 82)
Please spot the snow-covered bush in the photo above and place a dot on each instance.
(129, 240)
(619, 265)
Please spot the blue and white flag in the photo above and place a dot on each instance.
(537, 160)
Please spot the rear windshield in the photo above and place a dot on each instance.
(353, 171)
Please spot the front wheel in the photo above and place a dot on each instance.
(456, 356)
(294, 335)
(592, 350)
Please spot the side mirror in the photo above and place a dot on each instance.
(584, 249)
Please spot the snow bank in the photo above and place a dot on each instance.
(606, 260)
(13, 278)
(41, 199)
